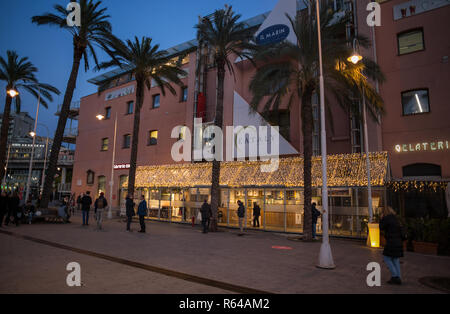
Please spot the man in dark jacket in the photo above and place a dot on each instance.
(206, 215)
(241, 216)
(315, 215)
(142, 212)
(256, 214)
(86, 202)
(99, 206)
(393, 249)
(3, 206)
(13, 209)
(129, 205)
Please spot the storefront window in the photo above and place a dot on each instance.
(275, 210)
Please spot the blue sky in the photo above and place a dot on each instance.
(168, 22)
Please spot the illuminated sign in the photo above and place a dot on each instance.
(121, 166)
(120, 93)
(415, 7)
(273, 34)
(422, 147)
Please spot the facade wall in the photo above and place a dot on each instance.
(423, 69)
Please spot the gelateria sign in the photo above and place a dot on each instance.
(423, 147)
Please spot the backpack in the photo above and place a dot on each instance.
(100, 203)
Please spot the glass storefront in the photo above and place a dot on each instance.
(281, 209)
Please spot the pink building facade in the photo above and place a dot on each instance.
(415, 135)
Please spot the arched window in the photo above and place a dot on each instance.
(101, 185)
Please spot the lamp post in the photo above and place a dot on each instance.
(6, 166)
(12, 93)
(111, 182)
(355, 58)
(33, 134)
(45, 158)
(325, 255)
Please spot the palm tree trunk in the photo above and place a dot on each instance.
(135, 139)
(218, 121)
(4, 135)
(59, 133)
(307, 127)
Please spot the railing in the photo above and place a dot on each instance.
(75, 105)
(64, 188)
(71, 132)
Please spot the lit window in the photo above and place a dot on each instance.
(153, 137)
(184, 94)
(126, 141)
(415, 102)
(410, 41)
(182, 135)
(130, 107)
(156, 101)
(105, 142)
(107, 112)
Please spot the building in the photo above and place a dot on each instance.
(20, 125)
(173, 200)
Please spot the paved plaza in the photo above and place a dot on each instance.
(174, 258)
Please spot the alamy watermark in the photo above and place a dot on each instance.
(74, 15)
(241, 143)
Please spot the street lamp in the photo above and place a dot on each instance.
(366, 136)
(30, 168)
(12, 93)
(111, 182)
(325, 255)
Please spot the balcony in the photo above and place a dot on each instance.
(70, 135)
(74, 110)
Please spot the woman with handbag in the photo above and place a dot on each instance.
(393, 249)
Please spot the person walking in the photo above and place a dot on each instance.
(256, 214)
(99, 205)
(315, 215)
(3, 206)
(206, 212)
(393, 249)
(129, 205)
(142, 212)
(13, 209)
(30, 210)
(86, 202)
(241, 216)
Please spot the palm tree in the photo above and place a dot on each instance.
(147, 63)
(19, 74)
(225, 36)
(294, 75)
(93, 31)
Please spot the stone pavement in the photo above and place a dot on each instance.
(249, 261)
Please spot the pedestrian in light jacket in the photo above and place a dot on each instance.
(142, 212)
(129, 205)
(99, 206)
(393, 250)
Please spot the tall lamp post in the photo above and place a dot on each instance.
(33, 134)
(355, 58)
(45, 158)
(111, 182)
(325, 255)
(12, 93)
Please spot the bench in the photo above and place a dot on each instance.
(49, 215)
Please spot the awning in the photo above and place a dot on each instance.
(347, 170)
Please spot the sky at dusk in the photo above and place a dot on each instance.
(168, 22)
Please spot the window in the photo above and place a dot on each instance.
(105, 142)
(183, 131)
(101, 187)
(184, 94)
(410, 41)
(415, 102)
(130, 107)
(153, 138)
(126, 141)
(107, 112)
(156, 99)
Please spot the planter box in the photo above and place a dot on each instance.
(425, 247)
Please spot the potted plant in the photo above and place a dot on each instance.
(425, 236)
